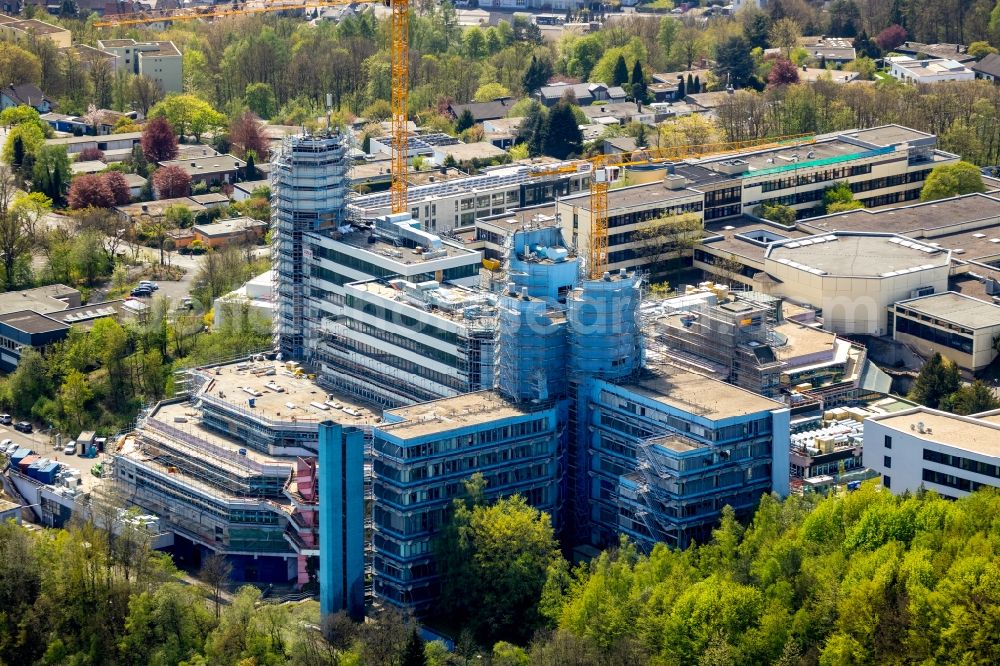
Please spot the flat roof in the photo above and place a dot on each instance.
(230, 384)
(31, 322)
(908, 219)
(858, 255)
(635, 196)
(956, 308)
(802, 340)
(68, 140)
(736, 236)
(211, 164)
(36, 26)
(968, 433)
(449, 300)
(806, 152)
(699, 394)
(888, 135)
(230, 226)
(401, 254)
(158, 207)
(39, 299)
(187, 418)
(469, 151)
(440, 416)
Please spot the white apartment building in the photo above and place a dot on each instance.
(950, 454)
(160, 61)
(933, 70)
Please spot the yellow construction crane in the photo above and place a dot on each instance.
(601, 172)
(399, 48)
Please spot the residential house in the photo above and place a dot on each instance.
(237, 230)
(834, 50)
(957, 52)
(482, 111)
(988, 68)
(933, 70)
(27, 94)
(212, 170)
(584, 94)
(113, 142)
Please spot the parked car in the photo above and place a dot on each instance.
(7, 446)
(152, 286)
(23, 426)
(142, 292)
(6, 419)
(70, 448)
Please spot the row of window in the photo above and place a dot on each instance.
(508, 433)
(949, 480)
(950, 339)
(967, 464)
(825, 176)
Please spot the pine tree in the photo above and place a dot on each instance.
(413, 654)
(697, 84)
(563, 137)
(681, 88)
(620, 74)
(532, 130)
(537, 75)
(465, 121)
(938, 379)
(638, 79)
(18, 150)
(691, 84)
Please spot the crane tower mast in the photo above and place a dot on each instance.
(400, 101)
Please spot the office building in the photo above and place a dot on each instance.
(424, 453)
(230, 468)
(959, 327)
(398, 341)
(923, 448)
(309, 185)
(441, 207)
(670, 448)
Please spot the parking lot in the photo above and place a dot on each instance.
(42, 444)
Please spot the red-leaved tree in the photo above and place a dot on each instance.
(891, 37)
(90, 190)
(90, 154)
(247, 133)
(171, 182)
(158, 141)
(783, 73)
(118, 185)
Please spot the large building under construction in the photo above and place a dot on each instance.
(520, 368)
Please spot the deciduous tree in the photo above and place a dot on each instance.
(159, 143)
(90, 190)
(171, 182)
(496, 557)
(247, 134)
(949, 180)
